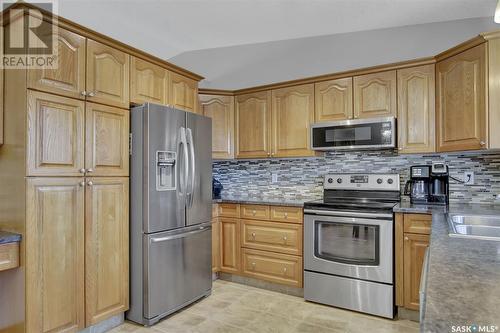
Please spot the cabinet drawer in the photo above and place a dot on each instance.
(418, 223)
(229, 210)
(270, 236)
(9, 256)
(286, 214)
(274, 267)
(256, 212)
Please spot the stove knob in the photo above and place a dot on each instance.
(330, 180)
(339, 180)
(390, 181)
(379, 181)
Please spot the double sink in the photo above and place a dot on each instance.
(485, 227)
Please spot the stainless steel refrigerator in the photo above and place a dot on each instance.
(171, 210)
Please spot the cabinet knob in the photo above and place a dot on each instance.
(400, 148)
(268, 154)
(356, 117)
(90, 183)
(482, 143)
(253, 235)
(91, 94)
(83, 93)
(285, 238)
(406, 238)
(82, 170)
(90, 170)
(286, 215)
(253, 265)
(254, 212)
(284, 269)
(81, 184)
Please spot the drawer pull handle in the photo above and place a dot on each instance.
(254, 212)
(253, 265)
(286, 215)
(253, 235)
(285, 238)
(284, 270)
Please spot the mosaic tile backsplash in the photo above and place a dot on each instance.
(303, 178)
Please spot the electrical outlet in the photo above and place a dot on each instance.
(274, 178)
(469, 178)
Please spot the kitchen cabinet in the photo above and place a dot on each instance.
(416, 109)
(221, 110)
(55, 280)
(9, 256)
(461, 119)
(333, 100)
(230, 245)
(148, 82)
(286, 214)
(107, 79)
(253, 125)
(414, 249)
(255, 212)
(375, 95)
(216, 253)
(272, 236)
(107, 140)
(106, 247)
(55, 135)
(183, 93)
(68, 76)
(292, 114)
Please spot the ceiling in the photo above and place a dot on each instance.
(166, 28)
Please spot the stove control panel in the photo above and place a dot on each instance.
(379, 182)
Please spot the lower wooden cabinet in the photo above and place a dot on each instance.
(272, 236)
(230, 245)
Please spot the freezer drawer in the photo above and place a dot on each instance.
(177, 270)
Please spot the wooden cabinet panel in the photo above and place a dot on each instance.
(274, 267)
(68, 78)
(55, 135)
(183, 93)
(416, 109)
(286, 214)
(230, 245)
(333, 100)
(107, 75)
(216, 230)
(148, 82)
(229, 210)
(375, 95)
(9, 256)
(107, 140)
(256, 212)
(494, 93)
(54, 255)
(221, 110)
(418, 223)
(106, 248)
(276, 237)
(253, 125)
(292, 114)
(414, 253)
(461, 101)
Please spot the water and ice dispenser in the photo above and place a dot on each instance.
(166, 170)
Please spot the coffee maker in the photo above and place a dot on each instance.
(428, 184)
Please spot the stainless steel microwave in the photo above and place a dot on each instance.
(375, 133)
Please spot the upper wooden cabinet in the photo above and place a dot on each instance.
(148, 82)
(55, 135)
(333, 100)
(107, 75)
(375, 95)
(68, 78)
(221, 110)
(183, 93)
(461, 101)
(107, 140)
(292, 114)
(253, 125)
(416, 110)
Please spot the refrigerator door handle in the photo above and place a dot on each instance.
(192, 164)
(183, 173)
(164, 239)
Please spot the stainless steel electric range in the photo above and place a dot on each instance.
(348, 243)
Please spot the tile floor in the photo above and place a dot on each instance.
(239, 308)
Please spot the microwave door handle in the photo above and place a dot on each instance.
(192, 165)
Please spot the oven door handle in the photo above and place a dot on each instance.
(347, 214)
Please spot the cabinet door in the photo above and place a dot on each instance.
(292, 114)
(148, 82)
(416, 105)
(68, 78)
(333, 100)
(183, 93)
(107, 140)
(230, 245)
(253, 125)
(55, 135)
(461, 101)
(107, 75)
(414, 254)
(106, 248)
(55, 255)
(221, 110)
(216, 255)
(375, 95)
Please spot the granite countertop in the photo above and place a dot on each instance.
(296, 202)
(463, 281)
(9, 237)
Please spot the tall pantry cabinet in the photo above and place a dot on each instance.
(66, 152)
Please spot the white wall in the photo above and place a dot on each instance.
(250, 65)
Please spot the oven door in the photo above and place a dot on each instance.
(353, 247)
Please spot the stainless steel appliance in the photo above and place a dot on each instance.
(171, 208)
(356, 134)
(428, 184)
(348, 243)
